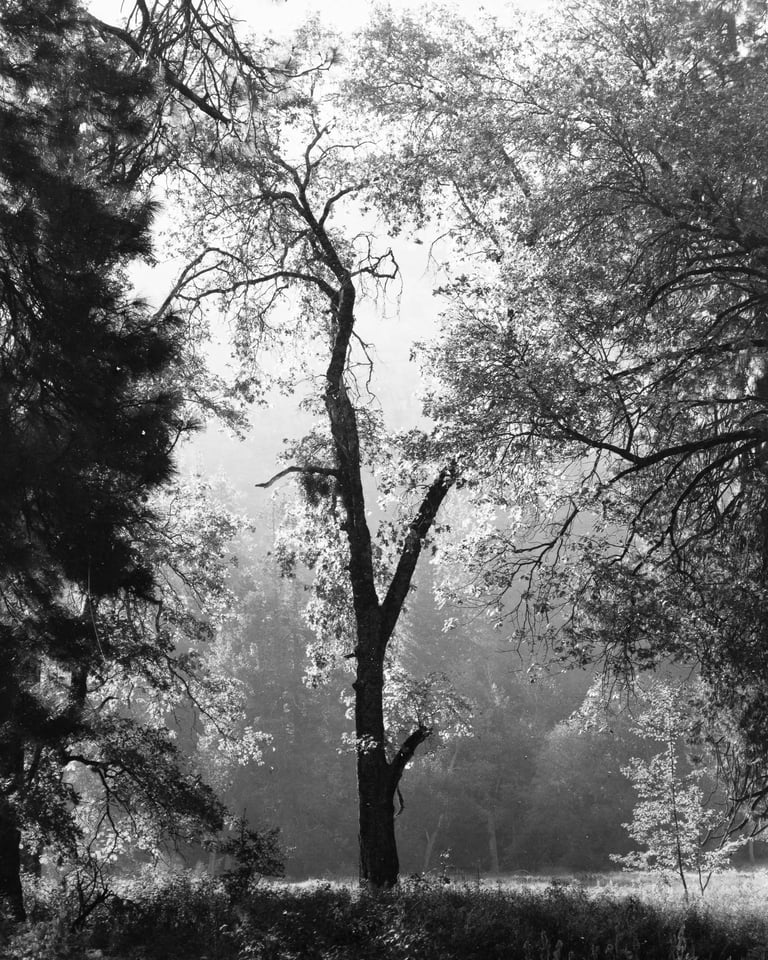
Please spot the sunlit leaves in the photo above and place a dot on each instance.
(159, 711)
(602, 358)
(682, 826)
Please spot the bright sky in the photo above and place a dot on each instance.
(285, 15)
(282, 16)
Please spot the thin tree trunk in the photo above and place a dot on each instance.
(375, 620)
(493, 847)
(431, 841)
(11, 895)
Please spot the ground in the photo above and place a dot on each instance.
(591, 916)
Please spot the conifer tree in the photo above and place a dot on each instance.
(87, 419)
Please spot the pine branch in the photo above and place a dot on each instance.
(169, 76)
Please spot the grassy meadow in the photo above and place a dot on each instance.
(612, 916)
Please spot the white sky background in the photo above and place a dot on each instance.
(279, 17)
(407, 314)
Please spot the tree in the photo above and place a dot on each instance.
(159, 706)
(263, 211)
(603, 358)
(89, 418)
(206, 68)
(681, 828)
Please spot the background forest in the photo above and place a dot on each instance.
(529, 785)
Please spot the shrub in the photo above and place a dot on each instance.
(183, 917)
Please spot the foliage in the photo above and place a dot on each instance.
(602, 360)
(256, 854)
(263, 226)
(88, 414)
(112, 578)
(183, 917)
(155, 708)
(681, 828)
(577, 799)
(555, 797)
(601, 373)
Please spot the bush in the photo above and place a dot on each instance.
(182, 917)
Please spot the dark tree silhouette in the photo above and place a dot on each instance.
(87, 424)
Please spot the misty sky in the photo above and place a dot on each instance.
(282, 16)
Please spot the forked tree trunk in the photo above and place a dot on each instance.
(375, 619)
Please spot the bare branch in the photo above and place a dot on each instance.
(169, 76)
(311, 471)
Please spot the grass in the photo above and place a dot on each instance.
(616, 917)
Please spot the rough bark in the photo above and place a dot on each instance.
(11, 895)
(379, 863)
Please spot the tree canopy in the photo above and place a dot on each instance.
(93, 569)
(602, 364)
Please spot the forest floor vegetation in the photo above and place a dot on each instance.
(184, 917)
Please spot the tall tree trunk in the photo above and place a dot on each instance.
(379, 864)
(11, 770)
(375, 619)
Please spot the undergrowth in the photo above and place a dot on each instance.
(186, 918)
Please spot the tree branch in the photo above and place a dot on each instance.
(168, 75)
(322, 471)
(405, 754)
(409, 555)
(750, 438)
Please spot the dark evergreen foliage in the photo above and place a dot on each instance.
(87, 423)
